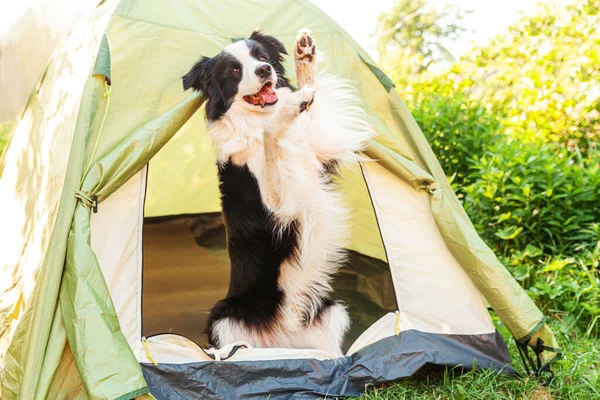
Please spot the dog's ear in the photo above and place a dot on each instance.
(276, 51)
(217, 104)
(199, 76)
(274, 47)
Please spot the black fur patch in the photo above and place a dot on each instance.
(256, 252)
(213, 77)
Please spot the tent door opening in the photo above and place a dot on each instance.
(186, 271)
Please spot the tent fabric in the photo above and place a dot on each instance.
(60, 328)
(386, 360)
(416, 250)
(119, 255)
(170, 348)
(88, 312)
(40, 175)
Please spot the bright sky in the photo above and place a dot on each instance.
(489, 17)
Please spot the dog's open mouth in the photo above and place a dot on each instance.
(265, 96)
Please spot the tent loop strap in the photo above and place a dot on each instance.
(429, 186)
(16, 311)
(106, 95)
(87, 200)
(397, 322)
(147, 350)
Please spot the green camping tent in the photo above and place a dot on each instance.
(113, 247)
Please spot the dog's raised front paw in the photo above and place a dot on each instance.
(305, 49)
(305, 98)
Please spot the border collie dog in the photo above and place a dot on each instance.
(286, 226)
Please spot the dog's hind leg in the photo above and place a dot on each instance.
(326, 332)
(305, 57)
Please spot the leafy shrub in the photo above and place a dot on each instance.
(567, 288)
(525, 195)
(457, 128)
(542, 76)
(537, 206)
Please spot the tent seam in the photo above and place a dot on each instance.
(140, 250)
(366, 180)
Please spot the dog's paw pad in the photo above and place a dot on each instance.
(306, 46)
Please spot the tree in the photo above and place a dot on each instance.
(542, 76)
(413, 35)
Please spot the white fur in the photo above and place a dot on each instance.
(333, 129)
(324, 334)
(250, 82)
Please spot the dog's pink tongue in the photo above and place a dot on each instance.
(268, 96)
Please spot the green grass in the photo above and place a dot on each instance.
(577, 376)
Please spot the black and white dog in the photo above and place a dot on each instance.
(286, 226)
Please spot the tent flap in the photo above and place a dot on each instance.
(385, 80)
(503, 293)
(93, 329)
(24, 368)
(102, 66)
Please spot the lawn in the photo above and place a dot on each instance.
(576, 376)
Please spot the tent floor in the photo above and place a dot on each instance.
(186, 271)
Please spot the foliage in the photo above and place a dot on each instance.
(536, 205)
(577, 377)
(458, 129)
(567, 288)
(515, 125)
(524, 195)
(543, 76)
(413, 35)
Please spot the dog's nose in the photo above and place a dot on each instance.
(264, 71)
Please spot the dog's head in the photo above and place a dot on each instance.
(247, 71)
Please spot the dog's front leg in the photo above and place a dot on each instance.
(295, 104)
(305, 58)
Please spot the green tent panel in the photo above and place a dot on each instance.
(114, 248)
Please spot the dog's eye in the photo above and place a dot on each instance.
(261, 58)
(235, 71)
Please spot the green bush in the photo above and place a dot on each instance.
(525, 195)
(542, 75)
(566, 288)
(458, 129)
(537, 206)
